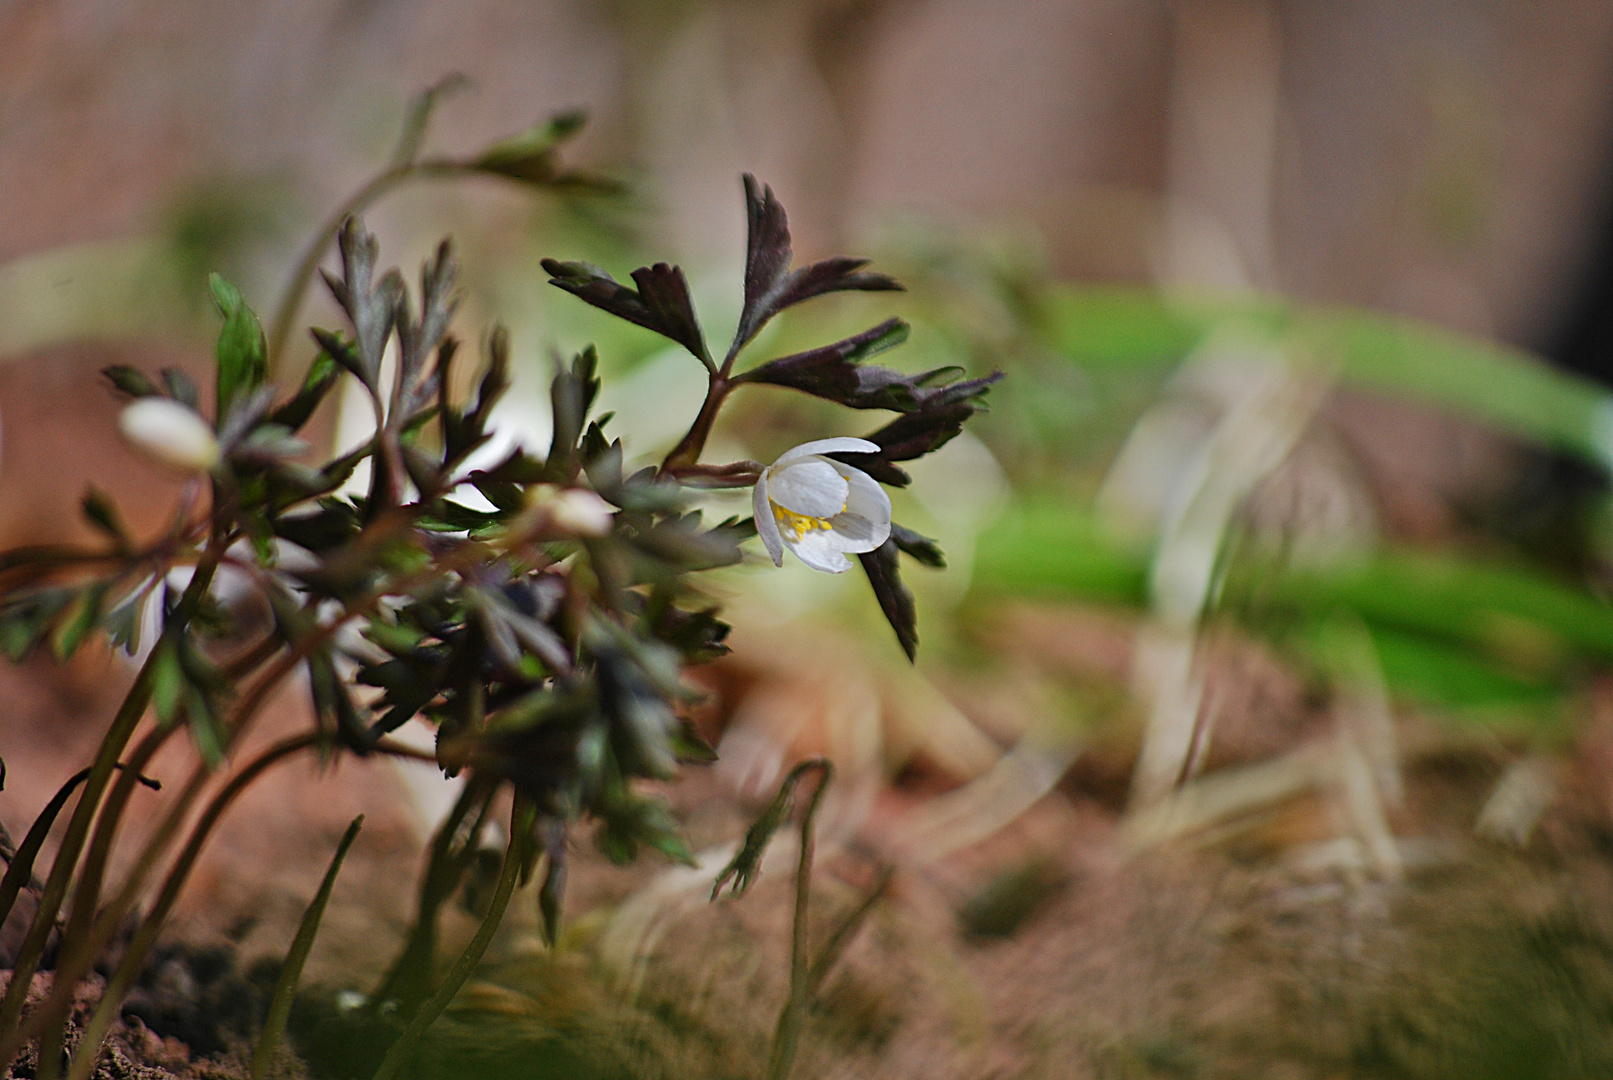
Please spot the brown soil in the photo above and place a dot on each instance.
(132, 1050)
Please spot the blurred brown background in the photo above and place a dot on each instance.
(1446, 160)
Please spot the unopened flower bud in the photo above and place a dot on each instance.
(581, 512)
(170, 434)
(574, 511)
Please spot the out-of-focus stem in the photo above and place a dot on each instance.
(22, 860)
(521, 819)
(89, 1047)
(444, 870)
(787, 1035)
(285, 987)
(88, 893)
(55, 891)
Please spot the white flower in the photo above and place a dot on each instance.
(820, 508)
(170, 434)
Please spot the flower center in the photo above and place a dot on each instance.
(795, 524)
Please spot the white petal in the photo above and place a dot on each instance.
(821, 549)
(840, 445)
(866, 497)
(857, 533)
(812, 487)
(766, 527)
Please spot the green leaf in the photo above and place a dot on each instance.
(130, 381)
(81, 617)
(25, 618)
(322, 375)
(101, 512)
(1437, 674)
(168, 681)
(1504, 609)
(123, 621)
(530, 156)
(1051, 548)
(690, 745)
(206, 727)
(418, 119)
(241, 351)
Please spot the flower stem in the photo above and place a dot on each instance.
(787, 1035)
(55, 891)
(688, 451)
(89, 1047)
(522, 817)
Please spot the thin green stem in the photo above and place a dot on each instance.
(128, 969)
(88, 894)
(522, 817)
(843, 933)
(787, 1035)
(21, 867)
(408, 978)
(285, 987)
(285, 314)
(112, 746)
(55, 891)
(51, 1018)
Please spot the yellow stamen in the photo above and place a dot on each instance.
(797, 524)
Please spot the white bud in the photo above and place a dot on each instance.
(581, 512)
(170, 434)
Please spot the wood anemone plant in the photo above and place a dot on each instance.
(537, 611)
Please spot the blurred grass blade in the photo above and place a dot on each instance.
(1048, 548)
(285, 987)
(1511, 610)
(1501, 386)
(19, 870)
(1496, 642)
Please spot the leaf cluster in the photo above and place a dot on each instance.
(932, 406)
(546, 654)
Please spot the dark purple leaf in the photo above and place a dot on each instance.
(894, 599)
(322, 375)
(130, 381)
(439, 298)
(770, 286)
(666, 294)
(571, 395)
(918, 546)
(372, 308)
(661, 302)
(940, 417)
(835, 372)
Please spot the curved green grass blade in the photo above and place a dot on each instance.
(285, 987)
(1468, 636)
(1507, 388)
